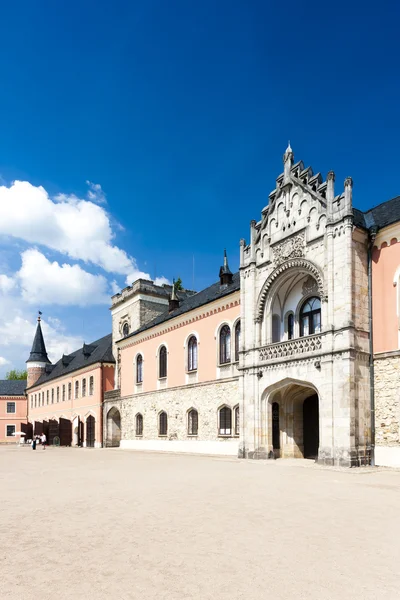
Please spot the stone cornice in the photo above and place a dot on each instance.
(388, 236)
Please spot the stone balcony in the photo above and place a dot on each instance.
(309, 344)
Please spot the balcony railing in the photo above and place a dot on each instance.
(303, 345)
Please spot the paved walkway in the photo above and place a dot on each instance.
(96, 524)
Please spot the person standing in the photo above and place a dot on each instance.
(43, 440)
(34, 443)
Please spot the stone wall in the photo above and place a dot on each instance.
(387, 399)
(206, 398)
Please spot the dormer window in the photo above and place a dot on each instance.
(125, 330)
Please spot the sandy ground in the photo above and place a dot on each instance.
(116, 524)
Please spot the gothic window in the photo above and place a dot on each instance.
(162, 423)
(83, 388)
(63, 393)
(139, 424)
(237, 422)
(237, 340)
(192, 353)
(125, 330)
(225, 421)
(193, 422)
(225, 345)
(69, 391)
(290, 326)
(91, 385)
(162, 357)
(139, 368)
(76, 389)
(276, 329)
(310, 317)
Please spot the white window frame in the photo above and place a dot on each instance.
(15, 429)
(12, 412)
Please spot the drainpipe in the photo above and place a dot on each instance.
(372, 236)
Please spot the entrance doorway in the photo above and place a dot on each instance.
(311, 427)
(90, 431)
(276, 433)
(113, 427)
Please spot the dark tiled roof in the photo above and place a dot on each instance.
(213, 292)
(386, 213)
(359, 220)
(98, 351)
(38, 352)
(12, 387)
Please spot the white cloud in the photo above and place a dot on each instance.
(44, 282)
(95, 193)
(3, 361)
(6, 284)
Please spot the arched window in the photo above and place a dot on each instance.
(76, 389)
(139, 424)
(192, 353)
(63, 393)
(35, 400)
(91, 385)
(225, 421)
(237, 422)
(58, 394)
(162, 362)
(139, 368)
(47, 397)
(69, 391)
(290, 326)
(193, 422)
(276, 329)
(310, 317)
(225, 345)
(162, 423)
(83, 388)
(237, 340)
(52, 395)
(125, 330)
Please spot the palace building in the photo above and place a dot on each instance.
(296, 355)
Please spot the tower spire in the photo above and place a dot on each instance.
(38, 359)
(225, 274)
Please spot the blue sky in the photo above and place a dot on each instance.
(181, 112)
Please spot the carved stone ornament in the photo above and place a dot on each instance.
(291, 248)
(310, 287)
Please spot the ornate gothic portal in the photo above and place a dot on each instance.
(292, 423)
(113, 427)
(304, 323)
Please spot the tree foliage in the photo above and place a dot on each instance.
(16, 374)
(178, 284)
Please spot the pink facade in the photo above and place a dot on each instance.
(74, 397)
(385, 290)
(13, 412)
(204, 324)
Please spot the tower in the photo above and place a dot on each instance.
(38, 359)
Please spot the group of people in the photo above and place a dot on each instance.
(39, 439)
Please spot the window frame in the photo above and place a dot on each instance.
(83, 387)
(236, 420)
(139, 363)
(63, 392)
(15, 430)
(139, 418)
(47, 397)
(125, 329)
(161, 352)
(192, 354)
(237, 328)
(76, 390)
(11, 412)
(225, 345)
(309, 314)
(161, 414)
(190, 414)
(70, 390)
(52, 395)
(222, 431)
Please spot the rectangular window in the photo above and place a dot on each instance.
(91, 385)
(42, 398)
(69, 391)
(10, 407)
(52, 395)
(35, 400)
(76, 389)
(63, 393)
(83, 388)
(47, 397)
(31, 400)
(58, 394)
(10, 431)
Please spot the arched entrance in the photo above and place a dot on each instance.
(291, 421)
(113, 427)
(90, 431)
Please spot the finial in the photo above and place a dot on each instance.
(173, 293)
(289, 149)
(225, 258)
(39, 316)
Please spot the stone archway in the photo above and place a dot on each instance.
(113, 427)
(291, 423)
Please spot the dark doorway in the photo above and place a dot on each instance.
(276, 438)
(90, 428)
(311, 427)
(53, 431)
(65, 432)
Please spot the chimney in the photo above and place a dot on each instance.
(173, 301)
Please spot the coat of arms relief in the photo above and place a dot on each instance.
(290, 248)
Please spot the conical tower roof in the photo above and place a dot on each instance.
(38, 352)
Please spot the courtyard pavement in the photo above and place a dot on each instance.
(113, 524)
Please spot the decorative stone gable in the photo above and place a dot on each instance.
(291, 248)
